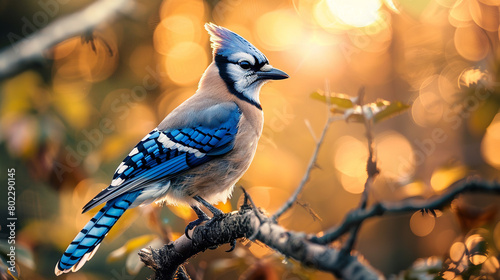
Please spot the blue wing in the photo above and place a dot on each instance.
(163, 154)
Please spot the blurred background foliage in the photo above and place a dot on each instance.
(66, 123)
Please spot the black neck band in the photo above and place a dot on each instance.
(221, 62)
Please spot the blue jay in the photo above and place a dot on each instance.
(196, 154)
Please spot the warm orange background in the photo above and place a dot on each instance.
(66, 127)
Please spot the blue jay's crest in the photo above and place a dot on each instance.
(225, 42)
(241, 65)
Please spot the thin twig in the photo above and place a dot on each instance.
(349, 244)
(311, 131)
(312, 164)
(357, 216)
(32, 48)
(309, 209)
(371, 163)
(371, 170)
(312, 161)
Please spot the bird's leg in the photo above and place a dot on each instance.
(215, 211)
(233, 245)
(201, 218)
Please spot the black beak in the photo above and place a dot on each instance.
(273, 74)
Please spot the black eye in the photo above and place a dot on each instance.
(244, 64)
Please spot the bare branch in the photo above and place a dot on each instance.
(311, 130)
(312, 164)
(312, 161)
(378, 209)
(349, 245)
(244, 223)
(371, 164)
(371, 170)
(31, 49)
(314, 252)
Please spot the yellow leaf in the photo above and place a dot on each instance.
(444, 177)
(412, 189)
(388, 109)
(73, 105)
(20, 94)
(224, 207)
(134, 263)
(183, 211)
(133, 244)
(338, 100)
(115, 146)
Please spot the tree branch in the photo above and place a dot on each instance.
(31, 49)
(311, 251)
(415, 204)
(310, 167)
(371, 169)
(245, 223)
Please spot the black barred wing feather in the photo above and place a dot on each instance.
(162, 155)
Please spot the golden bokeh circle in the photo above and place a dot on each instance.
(185, 62)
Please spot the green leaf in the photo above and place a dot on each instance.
(346, 106)
(337, 100)
(391, 110)
(376, 111)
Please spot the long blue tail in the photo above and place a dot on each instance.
(88, 240)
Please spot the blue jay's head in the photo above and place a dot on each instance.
(241, 65)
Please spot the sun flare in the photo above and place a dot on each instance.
(356, 13)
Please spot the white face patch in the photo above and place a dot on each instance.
(245, 81)
(252, 91)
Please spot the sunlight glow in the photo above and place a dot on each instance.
(357, 13)
(350, 154)
(413, 189)
(391, 5)
(185, 62)
(279, 30)
(489, 145)
(422, 224)
(444, 177)
(401, 167)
